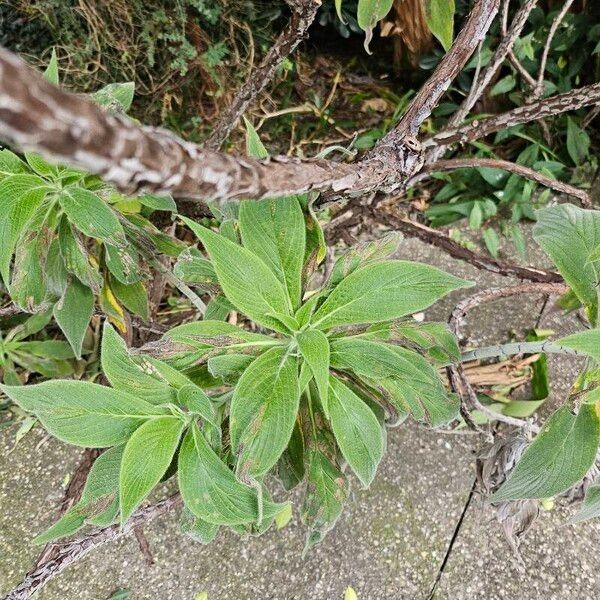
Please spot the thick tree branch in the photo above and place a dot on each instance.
(67, 128)
(70, 552)
(548, 107)
(303, 14)
(505, 165)
(441, 240)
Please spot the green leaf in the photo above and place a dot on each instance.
(476, 216)
(76, 258)
(187, 344)
(146, 457)
(210, 490)
(559, 456)
(440, 19)
(51, 72)
(326, 494)
(55, 349)
(263, 411)
(383, 291)
(115, 94)
(196, 528)
(407, 380)
(246, 280)
(196, 401)
(504, 85)
(73, 313)
(133, 297)
(91, 215)
(362, 254)
(82, 413)
(290, 468)
(99, 499)
(369, 12)
(229, 367)
(492, 242)
(28, 287)
(274, 230)
(568, 235)
(156, 202)
(196, 270)
(591, 505)
(20, 197)
(125, 373)
(314, 347)
(123, 263)
(433, 337)
(254, 147)
(587, 342)
(578, 142)
(356, 430)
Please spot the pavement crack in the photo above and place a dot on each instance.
(452, 540)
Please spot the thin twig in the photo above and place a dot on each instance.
(466, 42)
(539, 86)
(505, 165)
(505, 350)
(548, 107)
(481, 261)
(303, 14)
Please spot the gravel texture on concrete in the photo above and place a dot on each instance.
(390, 543)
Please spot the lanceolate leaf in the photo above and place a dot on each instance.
(263, 410)
(73, 313)
(127, 374)
(362, 254)
(591, 505)
(559, 456)
(586, 342)
(314, 347)
(133, 296)
(146, 457)
(195, 400)
(407, 380)
(568, 235)
(356, 430)
(440, 19)
(99, 499)
(75, 256)
(20, 197)
(383, 291)
(254, 147)
(91, 215)
(246, 280)
(326, 494)
(210, 490)
(82, 413)
(274, 230)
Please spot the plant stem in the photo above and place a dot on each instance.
(502, 350)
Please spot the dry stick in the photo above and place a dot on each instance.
(539, 85)
(505, 165)
(480, 84)
(466, 42)
(70, 552)
(481, 261)
(495, 63)
(456, 373)
(548, 107)
(303, 14)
